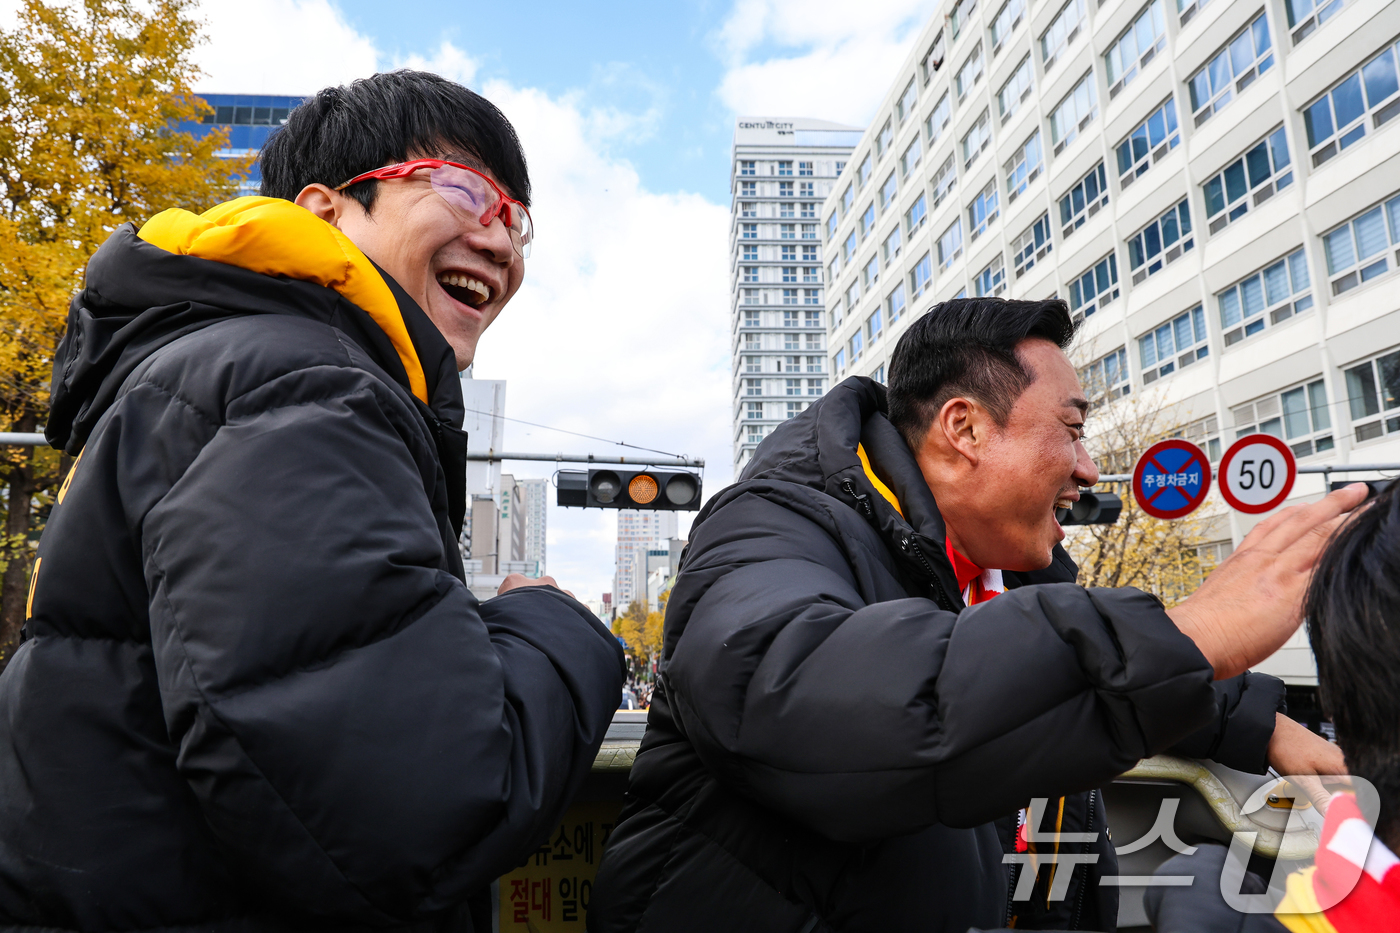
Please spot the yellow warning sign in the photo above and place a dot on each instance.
(550, 891)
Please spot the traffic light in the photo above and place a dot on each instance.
(659, 490)
(1093, 508)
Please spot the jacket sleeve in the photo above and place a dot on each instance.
(366, 740)
(1238, 736)
(863, 719)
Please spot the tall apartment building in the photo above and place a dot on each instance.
(637, 533)
(536, 508)
(1213, 187)
(783, 169)
(249, 119)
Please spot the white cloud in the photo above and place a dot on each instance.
(448, 61)
(812, 57)
(279, 47)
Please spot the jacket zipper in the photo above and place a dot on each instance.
(861, 499)
(940, 595)
(1088, 869)
(1015, 873)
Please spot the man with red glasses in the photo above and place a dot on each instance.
(254, 692)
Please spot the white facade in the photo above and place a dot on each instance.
(637, 533)
(536, 493)
(783, 168)
(1032, 149)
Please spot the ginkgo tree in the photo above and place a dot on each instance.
(91, 95)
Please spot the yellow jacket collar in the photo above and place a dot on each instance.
(276, 237)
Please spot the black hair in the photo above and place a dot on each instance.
(1353, 612)
(390, 117)
(967, 346)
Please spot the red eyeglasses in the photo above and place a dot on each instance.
(469, 191)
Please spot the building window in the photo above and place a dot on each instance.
(991, 281)
(748, 168)
(788, 231)
(1247, 56)
(944, 181)
(959, 16)
(750, 231)
(1176, 344)
(795, 408)
(863, 172)
(1024, 166)
(789, 253)
(751, 342)
(1269, 297)
(814, 341)
(1358, 250)
(1084, 200)
(753, 296)
(750, 254)
(1304, 16)
(1006, 21)
(867, 221)
(890, 248)
(873, 325)
(809, 210)
(1339, 118)
(809, 231)
(976, 139)
(753, 386)
(753, 410)
(857, 344)
(910, 159)
(933, 59)
(1031, 246)
(950, 244)
(1298, 416)
(811, 273)
(1075, 112)
(1373, 394)
(1064, 29)
(792, 364)
(871, 274)
(894, 302)
(883, 140)
(1148, 143)
(753, 364)
(748, 189)
(753, 318)
(814, 386)
(914, 217)
(969, 74)
(831, 223)
(789, 273)
(755, 434)
(1248, 181)
(852, 295)
(887, 191)
(812, 296)
(848, 200)
(793, 386)
(937, 121)
(907, 101)
(750, 273)
(1095, 288)
(748, 209)
(786, 210)
(1137, 46)
(983, 210)
(809, 254)
(785, 187)
(785, 168)
(1016, 90)
(920, 276)
(814, 364)
(1205, 434)
(834, 269)
(1161, 242)
(804, 168)
(1106, 378)
(838, 362)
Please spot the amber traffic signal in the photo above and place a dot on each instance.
(660, 490)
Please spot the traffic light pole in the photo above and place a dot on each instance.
(491, 456)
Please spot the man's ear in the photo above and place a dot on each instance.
(323, 202)
(962, 424)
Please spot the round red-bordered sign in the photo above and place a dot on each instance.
(1171, 479)
(1257, 473)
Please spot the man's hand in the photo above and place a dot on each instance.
(1250, 605)
(1299, 754)
(514, 580)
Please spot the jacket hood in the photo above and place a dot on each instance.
(185, 271)
(845, 445)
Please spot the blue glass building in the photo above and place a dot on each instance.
(250, 119)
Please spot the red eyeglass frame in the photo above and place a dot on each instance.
(504, 204)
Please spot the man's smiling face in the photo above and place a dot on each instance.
(460, 273)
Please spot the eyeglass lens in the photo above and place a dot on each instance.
(472, 194)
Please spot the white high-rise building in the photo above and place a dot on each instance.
(783, 169)
(1213, 187)
(536, 492)
(638, 532)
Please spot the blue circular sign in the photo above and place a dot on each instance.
(1171, 479)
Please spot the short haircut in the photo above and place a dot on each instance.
(967, 347)
(1353, 612)
(390, 117)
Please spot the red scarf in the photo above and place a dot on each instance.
(972, 579)
(1355, 885)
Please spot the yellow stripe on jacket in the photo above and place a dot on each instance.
(276, 237)
(880, 487)
(1299, 910)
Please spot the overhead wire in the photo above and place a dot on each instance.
(590, 437)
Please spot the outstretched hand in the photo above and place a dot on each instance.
(514, 580)
(1250, 605)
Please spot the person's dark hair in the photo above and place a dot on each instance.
(967, 347)
(390, 117)
(1353, 612)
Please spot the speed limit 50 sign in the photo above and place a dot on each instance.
(1257, 473)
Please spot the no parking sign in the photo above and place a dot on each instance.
(1257, 473)
(1171, 479)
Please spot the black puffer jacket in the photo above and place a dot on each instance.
(255, 692)
(832, 743)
